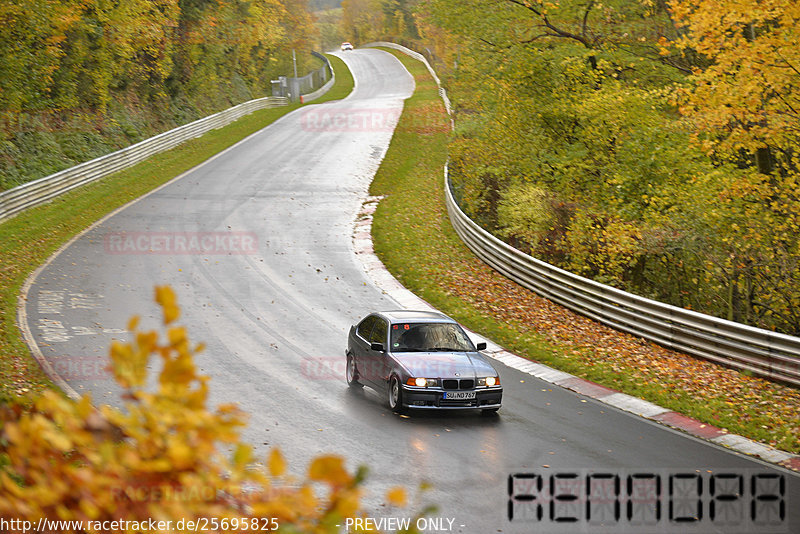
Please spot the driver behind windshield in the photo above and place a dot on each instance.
(429, 337)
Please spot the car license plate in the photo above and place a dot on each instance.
(459, 395)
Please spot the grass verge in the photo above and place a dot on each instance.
(344, 82)
(27, 240)
(413, 237)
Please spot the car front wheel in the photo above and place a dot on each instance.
(352, 373)
(395, 395)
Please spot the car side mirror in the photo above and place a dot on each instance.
(481, 345)
(376, 347)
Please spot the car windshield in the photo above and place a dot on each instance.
(429, 337)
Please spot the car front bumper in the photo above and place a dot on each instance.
(422, 398)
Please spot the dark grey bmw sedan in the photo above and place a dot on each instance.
(420, 359)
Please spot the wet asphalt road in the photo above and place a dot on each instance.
(271, 285)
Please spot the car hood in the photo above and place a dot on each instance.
(444, 364)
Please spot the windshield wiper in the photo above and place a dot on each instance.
(446, 349)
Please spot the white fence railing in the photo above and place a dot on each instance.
(761, 352)
(325, 70)
(39, 191)
(418, 57)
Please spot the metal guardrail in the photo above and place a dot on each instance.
(308, 87)
(309, 97)
(40, 191)
(324, 58)
(419, 57)
(762, 352)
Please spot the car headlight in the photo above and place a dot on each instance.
(489, 381)
(423, 382)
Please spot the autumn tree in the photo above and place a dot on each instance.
(165, 456)
(744, 100)
(747, 98)
(619, 140)
(329, 25)
(31, 46)
(371, 20)
(362, 20)
(80, 78)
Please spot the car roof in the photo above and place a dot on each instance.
(415, 316)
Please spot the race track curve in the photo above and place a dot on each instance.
(273, 296)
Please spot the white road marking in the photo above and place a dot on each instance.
(53, 331)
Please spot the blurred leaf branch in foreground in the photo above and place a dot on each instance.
(162, 457)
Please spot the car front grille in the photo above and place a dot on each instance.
(444, 403)
(458, 383)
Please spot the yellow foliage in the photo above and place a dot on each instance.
(160, 457)
(397, 497)
(277, 463)
(525, 214)
(166, 298)
(604, 247)
(749, 93)
(329, 469)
